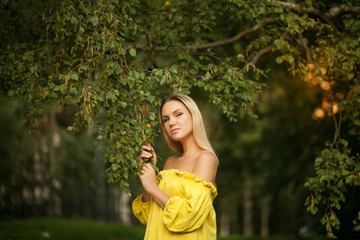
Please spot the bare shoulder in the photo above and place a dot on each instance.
(170, 162)
(206, 166)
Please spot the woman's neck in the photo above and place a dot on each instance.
(190, 146)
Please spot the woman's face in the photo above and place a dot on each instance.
(177, 120)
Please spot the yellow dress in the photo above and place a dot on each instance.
(188, 215)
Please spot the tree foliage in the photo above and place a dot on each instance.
(115, 61)
(87, 55)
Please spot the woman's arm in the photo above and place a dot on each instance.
(145, 196)
(147, 151)
(148, 180)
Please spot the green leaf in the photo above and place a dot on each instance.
(94, 20)
(11, 93)
(115, 166)
(73, 91)
(123, 104)
(132, 52)
(74, 76)
(63, 88)
(279, 60)
(173, 69)
(350, 75)
(111, 96)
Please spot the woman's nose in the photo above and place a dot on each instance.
(171, 122)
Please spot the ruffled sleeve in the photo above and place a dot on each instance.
(141, 209)
(189, 211)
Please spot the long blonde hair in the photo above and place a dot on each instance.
(198, 124)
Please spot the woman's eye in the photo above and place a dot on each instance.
(165, 120)
(179, 114)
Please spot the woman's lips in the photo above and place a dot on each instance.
(175, 130)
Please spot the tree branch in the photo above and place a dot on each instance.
(237, 36)
(295, 6)
(256, 57)
(150, 50)
(331, 13)
(213, 44)
(307, 49)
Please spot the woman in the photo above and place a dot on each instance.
(177, 204)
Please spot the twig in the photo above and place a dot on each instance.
(307, 49)
(336, 124)
(150, 50)
(254, 58)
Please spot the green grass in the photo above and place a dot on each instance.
(256, 238)
(84, 229)
(67, 229)
(289, 237)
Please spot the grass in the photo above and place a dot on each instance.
(285, 237)
(84, 229)
(67, 229)
(256, 238)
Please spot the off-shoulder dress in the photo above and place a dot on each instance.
(189, 213)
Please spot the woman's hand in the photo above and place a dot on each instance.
(148, 177)
(147, 151)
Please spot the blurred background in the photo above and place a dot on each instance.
(47, 172)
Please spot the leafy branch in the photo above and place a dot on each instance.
(335, 174)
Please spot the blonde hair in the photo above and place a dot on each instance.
(198, 124)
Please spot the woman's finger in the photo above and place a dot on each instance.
(153, 154)
(154, 157)
(146, 167)
(144, 155)
(146, 148)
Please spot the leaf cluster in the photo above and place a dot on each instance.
(336, 172)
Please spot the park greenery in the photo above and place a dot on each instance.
(76, 228)
(109, 63)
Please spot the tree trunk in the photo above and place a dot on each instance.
(265, 213)
(53, 141)
(124, 209)
(224, 218)
(100, 201)
(248, 204)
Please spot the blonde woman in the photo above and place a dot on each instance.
(177, 204)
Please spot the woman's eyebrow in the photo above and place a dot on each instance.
(173, 112)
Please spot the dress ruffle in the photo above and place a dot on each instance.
(189, 176)
(141, 209)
